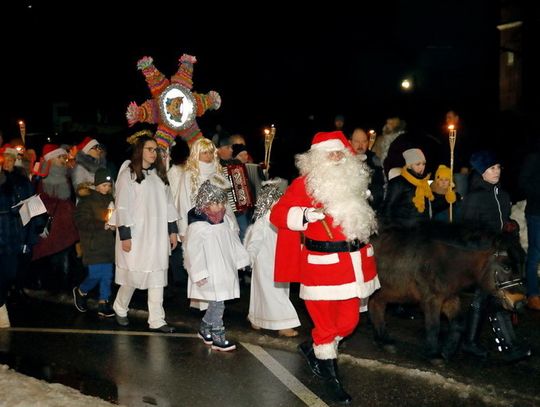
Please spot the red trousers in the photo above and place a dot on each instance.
(333, 318)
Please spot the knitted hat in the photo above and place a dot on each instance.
(87, 144)
(237, 149)
(9, 150)
(51, 151)
(413, 156)
(270, 192)
(443, 172)
(482, 160)
(102, 175)
(330, 141)
(212, 190)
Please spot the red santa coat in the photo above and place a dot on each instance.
(323, 276)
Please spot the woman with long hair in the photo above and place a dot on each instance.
(147, 231)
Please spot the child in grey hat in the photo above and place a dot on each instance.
(213, 254)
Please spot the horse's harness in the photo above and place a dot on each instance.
(505, 284)
(512, 302)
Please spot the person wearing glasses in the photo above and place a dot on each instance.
(146, 231)
(90, 157)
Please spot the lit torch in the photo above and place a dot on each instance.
(269, 135)
(372, 137)
(452, 140)
(22, 129)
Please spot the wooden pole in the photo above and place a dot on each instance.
(452, 141)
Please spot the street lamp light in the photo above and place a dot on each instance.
(407, 84)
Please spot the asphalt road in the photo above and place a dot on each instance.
(50, 340)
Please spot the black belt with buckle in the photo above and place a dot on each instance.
(333, 247)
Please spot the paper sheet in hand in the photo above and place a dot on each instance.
(31, 207)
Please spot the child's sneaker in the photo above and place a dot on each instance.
(204, 333)
(105, 310)
(79, 300)
(219, 342)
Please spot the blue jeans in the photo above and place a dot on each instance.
(533, 254)
(99, 274)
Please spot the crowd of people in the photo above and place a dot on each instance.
(170, 217)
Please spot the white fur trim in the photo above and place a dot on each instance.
(323, 259)
(368, 288)
(11, 151)
(394, 172)
(325, 351)
(328, 292)
(295, 219)
(55, 153)
(329, 145)
(339, 292)
(89, 145)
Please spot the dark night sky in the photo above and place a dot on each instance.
(279, 65)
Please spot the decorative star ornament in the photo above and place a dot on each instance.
(173, 106)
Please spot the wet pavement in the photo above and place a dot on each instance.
(52, 341)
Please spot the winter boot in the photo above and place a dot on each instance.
(505, 337)
(205, 333)
(4, 317)
(330, 372)
(219, 342)
(306, 350)
(470, 343)
(79, 299)
(105, 310)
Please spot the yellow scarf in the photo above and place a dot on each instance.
(422, 189)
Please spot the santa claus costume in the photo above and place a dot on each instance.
(324, 224)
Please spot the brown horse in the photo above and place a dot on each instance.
(430, 266)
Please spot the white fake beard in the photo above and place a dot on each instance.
(341, 187)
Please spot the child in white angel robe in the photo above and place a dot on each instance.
(213, 254)
(269, 306)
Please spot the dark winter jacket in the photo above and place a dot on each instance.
(529, 183)
(14, 187)
(440, 208)
(376, 186)
(485, 205)
(97, 243)
(398, 207)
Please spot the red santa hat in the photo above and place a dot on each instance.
(51, 151)
(9, 150)
(330, 141)
(87, 144)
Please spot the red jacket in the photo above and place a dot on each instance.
(323, 276)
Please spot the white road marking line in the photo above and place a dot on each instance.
(99, 332)
(285, 377)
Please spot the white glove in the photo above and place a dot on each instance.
(313, 214)
(44, 234)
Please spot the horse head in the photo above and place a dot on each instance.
(504, 280)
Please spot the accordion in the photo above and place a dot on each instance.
(240, 194)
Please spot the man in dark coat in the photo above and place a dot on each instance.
(14, 187)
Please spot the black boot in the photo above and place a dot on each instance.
(330, 372)
(306, 350)
(470, 343)
(505, 337)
